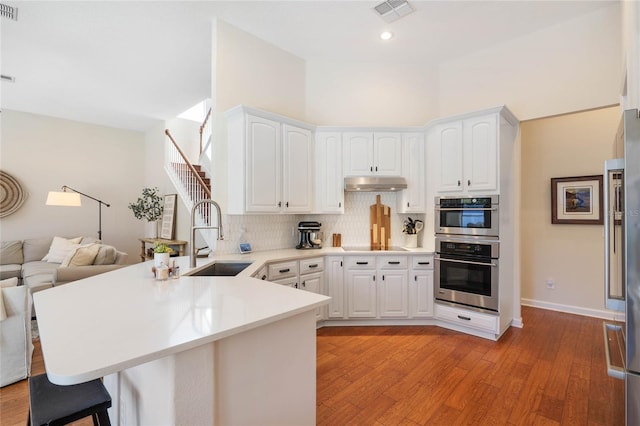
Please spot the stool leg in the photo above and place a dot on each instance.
(103, 418)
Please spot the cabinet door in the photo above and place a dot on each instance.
(387, 154)
(421, 294)
(361, 286)
(289, 282)
(298, 169)
(329, 188)
(481, 153)
(335, 286)
(357, 153)
(393, 294)
(314, 283)
(263, 192)
(448, 153)
(413, 199)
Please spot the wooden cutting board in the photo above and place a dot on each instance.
(380, 226)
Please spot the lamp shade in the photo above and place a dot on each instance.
(69, 199)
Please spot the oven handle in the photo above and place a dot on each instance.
(465, 261)
(454, 209)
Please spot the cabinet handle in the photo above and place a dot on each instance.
(374, 277)
(395, 262)
(469, 182)
(304, 283)
(415, 278)
(383, 278)
(264, 277)
(279, 203)
(376, 168)
(286, 204)
(296, 285)
(362, 263)
(407, 204)
(315, 265)
(464, 318)
(341, 263)
(371, 168)
(423, 263)
(340, 204)
(458, 183)
(282, 271)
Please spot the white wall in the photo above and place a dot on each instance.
(370, 93)
(44, 153)
(570, 255)
(567, 67)
(631, 53)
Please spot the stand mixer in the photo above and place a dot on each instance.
(310, 235)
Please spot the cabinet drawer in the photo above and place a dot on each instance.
(361, 262)
(308, 266)
(471, 319)
(277, 271)
(422, 262)
(392, 262)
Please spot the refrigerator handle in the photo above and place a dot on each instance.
(613, 370)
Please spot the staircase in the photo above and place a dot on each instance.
(192, 186)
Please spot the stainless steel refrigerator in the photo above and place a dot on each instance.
(622, 262)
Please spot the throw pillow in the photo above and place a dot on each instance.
(60, 248)
(106, 255)
(81, 256)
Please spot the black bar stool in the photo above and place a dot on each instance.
(59, 405)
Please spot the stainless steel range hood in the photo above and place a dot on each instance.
(374, 183)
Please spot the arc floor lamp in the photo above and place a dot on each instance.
(72, 199)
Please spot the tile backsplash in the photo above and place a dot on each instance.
(271, 232)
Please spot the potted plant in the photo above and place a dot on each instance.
(148, 207)
(411, 228)
(161, 254)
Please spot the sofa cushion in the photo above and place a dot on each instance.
(82, 256)
(10, 271)
(35, 248)
(60, 248)
(106, 255)
(10, 282)
(11, 252)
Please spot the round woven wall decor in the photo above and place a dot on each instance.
(11, 194)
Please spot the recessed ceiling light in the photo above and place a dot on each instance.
(386, 35)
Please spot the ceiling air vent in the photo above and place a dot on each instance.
(8, 12)
(392, 10)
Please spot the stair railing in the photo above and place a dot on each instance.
(202, 128)
(185, 171)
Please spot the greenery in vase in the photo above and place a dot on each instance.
(148, 206)
(162, 248)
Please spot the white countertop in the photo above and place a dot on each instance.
(113, 321)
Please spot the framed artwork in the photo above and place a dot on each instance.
(577, 200)
(167, 229)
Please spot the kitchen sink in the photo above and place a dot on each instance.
(393, 248)
(220, 269)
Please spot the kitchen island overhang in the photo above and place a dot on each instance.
(215, 339)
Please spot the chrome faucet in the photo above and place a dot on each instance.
(193, 228)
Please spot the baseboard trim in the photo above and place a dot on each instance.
(578, 310)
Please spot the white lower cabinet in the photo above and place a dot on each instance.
(289, 282)
(334, 271)
(393, 286)
(361, 293)
(421, 287)
(314, 283)
(466, 318)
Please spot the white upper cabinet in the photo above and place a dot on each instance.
(372, 153)
(298, 169)
(329, 178)
(270, 163)
(413, 199)
(264, 187)
(465, 155)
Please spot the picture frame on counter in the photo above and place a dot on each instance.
(577, 200)
(168, 224)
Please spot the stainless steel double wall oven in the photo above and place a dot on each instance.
(467, 251)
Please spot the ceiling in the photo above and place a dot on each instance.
(131, 64)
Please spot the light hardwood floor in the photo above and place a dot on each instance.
(551, 372)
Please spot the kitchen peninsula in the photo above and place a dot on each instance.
(193, 350)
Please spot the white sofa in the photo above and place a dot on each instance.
(16, 347)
